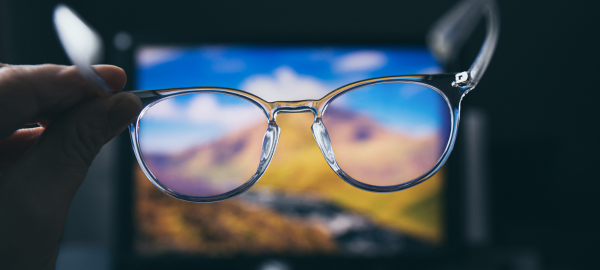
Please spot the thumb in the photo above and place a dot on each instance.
(39, 187)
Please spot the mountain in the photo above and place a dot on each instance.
(212, 168)
(297, 169)
(373, 154)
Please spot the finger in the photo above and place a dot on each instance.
(28, 93)
(71, 141)
(37, 191)
(114, 76)
(13, 147)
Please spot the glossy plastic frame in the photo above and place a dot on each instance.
(442, 83)
(444, 40)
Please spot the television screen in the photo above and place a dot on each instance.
(300, 206)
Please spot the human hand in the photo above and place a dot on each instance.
(41, 168)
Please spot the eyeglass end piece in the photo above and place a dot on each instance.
(461, 79)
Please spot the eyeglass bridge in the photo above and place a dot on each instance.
(299, 106)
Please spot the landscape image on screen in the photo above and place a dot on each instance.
(300, 206)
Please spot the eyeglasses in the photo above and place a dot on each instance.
(206, 144)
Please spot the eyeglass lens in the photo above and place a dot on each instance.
(207, 144)
(202, 144)
(389, 133)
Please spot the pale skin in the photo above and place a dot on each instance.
(42, 168)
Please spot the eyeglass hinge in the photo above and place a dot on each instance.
(461, 79)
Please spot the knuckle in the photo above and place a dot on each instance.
(11, 74)
(71, 75)
(84, 141)
(18, 77)
(15, 85)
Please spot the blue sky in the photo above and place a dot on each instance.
(229, 66)
(296, 72)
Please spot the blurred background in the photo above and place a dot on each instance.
(536, 109)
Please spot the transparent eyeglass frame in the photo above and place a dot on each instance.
(446, 37)
(444, 40)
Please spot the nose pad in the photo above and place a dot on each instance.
(322, 138)
(298, 160)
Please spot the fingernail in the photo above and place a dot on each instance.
(114, 76)
(126, 107)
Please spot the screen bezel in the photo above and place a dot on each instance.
(451, 250)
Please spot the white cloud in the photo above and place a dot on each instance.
(284, 84)
(206, 109)
(202, 108)
(409, 90)
(419, 131)
(152, 56)
(220, 63)
(360, 61)
(202, 119)
(430, 70)
(164, 110)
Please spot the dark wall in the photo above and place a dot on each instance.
(539, 91)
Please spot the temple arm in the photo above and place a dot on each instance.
(452, 30)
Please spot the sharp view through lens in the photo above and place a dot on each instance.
(299, 206)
